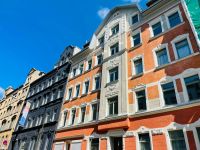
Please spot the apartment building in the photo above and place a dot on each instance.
(44, 101)
(148, 91)
(11, 107)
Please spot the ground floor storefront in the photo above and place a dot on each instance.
(175, 129)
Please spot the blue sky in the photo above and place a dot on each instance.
(33, 33)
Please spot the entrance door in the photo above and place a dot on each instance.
(117, 143)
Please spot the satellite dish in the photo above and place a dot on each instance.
(2, 93)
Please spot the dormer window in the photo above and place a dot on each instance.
(115, 29)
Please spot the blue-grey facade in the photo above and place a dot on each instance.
(46, 97)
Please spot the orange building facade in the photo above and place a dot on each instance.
(136, 85)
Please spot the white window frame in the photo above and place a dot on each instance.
(133, 34)
(185, 75)
(159, 48)
(117, 42)
(70, 118)
(72, 74)
(108, 109)
(91, 111)
(80, 114)
(67, 97)
(115, 24)
(67, 112)
(87, 66)
(179, 39)
(133, 64)
(157, 20)
(75, 90)
(79, 72)
(94, 83)
(83, 87)
(138, 89)
(161, 95)
(169, 145)
(196, 138)
(96, 60)
(108, 74)
(170, 12)
(132, 15)
(138, 141)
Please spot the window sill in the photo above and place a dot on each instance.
(137, 76)
(135, 47)
(83, 95)
(161, 67)
(98, 65)
(114, 35)
(96, 90)
(113, 82)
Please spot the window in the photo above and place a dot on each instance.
(83, 109)
(74, 72)
(101, 40)
(169, 93)
(115, 29)
(54, 115)
(77, 90)
(114, 49)
(136, 39)
(141, 99)
(64, 118)
(99, 59)
(198, 133)
(162, 57)
(182, 49)
(73, 115)
(81, 68)
(134, 19)
(177, 140)
(113, 106)
(86, 87)
(157, 28)
(193, 87)
(174, 19)
(47, 119)
(94, 111)
(145, 142)
(69, 94)
(138, 66)
(89, 65)
(97, 83)
(94, 144)
(113, 73)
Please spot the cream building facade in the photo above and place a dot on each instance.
(11, 107)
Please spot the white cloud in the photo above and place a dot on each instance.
(133, 1)
(103, 12)
(2, 93)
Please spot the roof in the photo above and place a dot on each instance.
(115, 9)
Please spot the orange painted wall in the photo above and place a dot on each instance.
(130, 143)
(103, 144)
(159, 142)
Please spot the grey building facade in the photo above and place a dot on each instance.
(45, 98)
